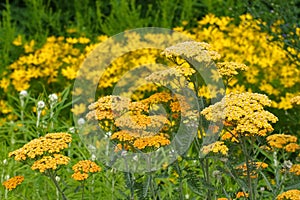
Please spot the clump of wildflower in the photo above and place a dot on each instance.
(295, 169)
(50, 162)
(229, 69)
(243, 112)
(289, 195)
(216, 147)
(13, 182)
(51, 143)
(83, 168)
(283, 141)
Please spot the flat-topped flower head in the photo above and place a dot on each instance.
(50, 143)
(50, 162)
(141, 122)
(295, 100)
(83, 168)
(198, 51)
(295, 169)
(216, 147)
(229, 69)
(141, 140)
(243, 113)
(289, 195)
(13, 182)
(283, 141)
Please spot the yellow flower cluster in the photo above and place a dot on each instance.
(295, 169)
(216, 147)
(51, 143)
(50, 162)
(229, 69)
(283, 141)
(198, 51)
(83, 168)
(289, 195)
(13, 182)
(133, 126)
(155, 141)
(241, 194)
(295, 100)
(59, 56)
(270, 69)
(242, 112)
(140, 140)
(253, 166)
(140, 122)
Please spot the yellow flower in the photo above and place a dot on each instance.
(78, 109)
(50, 162)
(216, 147)
(4, 83)
(241, 194)
(295, 100)
(51, 143)
(229, 69)
(295, 169)
(198, 51)
(253, 167)
(282, 140)
(289, 195)
(292, 147)
(243, 113)
(13, 182)
(18, 41)
(83, 168)
(29, 47)
(70, 72)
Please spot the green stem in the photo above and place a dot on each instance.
(52, 177)
(249, 180)
(82, 185)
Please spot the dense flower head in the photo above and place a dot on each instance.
(140, 122)
(155, 141)
(83, 168)
(229, 69)
(295, 100)
(141, 140)
(199, 51)
(109, 107)
(289, 195)
(13, 182)
(50, 162)
(216, 147)
(280, 141)
(243, 112)
(51, 143)
(295, 169)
